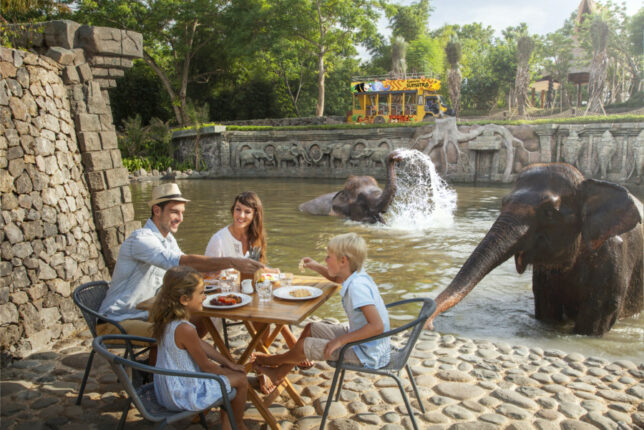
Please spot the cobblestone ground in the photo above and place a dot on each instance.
(464, 384)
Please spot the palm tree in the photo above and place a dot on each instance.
(454, 77)
(398, 55)
(525, 46)
(599, 33)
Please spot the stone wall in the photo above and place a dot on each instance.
(466, 154)
(66, 203)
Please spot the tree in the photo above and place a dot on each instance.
(454, 77)
(425, 55)
(174, 31)
(525, 46)
(556, 57)
(398, 54)
(327, 27)
(409, 22)
(599, 35)
(198, 117)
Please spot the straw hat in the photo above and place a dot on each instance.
(165, 193)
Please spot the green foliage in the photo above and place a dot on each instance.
(409, 22)
(425, 55)
(453, 52)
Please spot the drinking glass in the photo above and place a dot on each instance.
(286, 279)
(226, 285)
(264, 291)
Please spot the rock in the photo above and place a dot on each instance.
(458, 390)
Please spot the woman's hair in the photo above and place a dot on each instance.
(349, 245)
(177, 281)
(256, 231)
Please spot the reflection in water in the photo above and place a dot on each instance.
(402, 262)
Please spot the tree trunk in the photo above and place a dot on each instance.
(596, 82)
(319, 108)
(454, 79)
(166, 84)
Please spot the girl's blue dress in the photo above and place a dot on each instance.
(181, 393)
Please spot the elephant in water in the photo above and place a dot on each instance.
(361, 199)
(583, 238)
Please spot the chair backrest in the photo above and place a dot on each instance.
(88, 297)
(122, 367)
(399, 357)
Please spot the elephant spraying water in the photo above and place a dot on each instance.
(584, 239)
(361, 199)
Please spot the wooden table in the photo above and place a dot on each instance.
(278, 312)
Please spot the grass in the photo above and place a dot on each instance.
(617, 118)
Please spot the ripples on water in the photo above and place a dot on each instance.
(404, 262)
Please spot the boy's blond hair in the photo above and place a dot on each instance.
(349, 245)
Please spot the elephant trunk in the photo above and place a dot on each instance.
(390, 189)
(501, 241)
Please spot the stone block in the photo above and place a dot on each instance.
(85, 72)
(116, 157)
(130, 226)
(79, 56)
(4, 96)
(100, 40)
(107, 198)
(100, 72)
(89, 141)
(95, 102)
(107, 218)
(116, 73)
(126, 194)
(94, 161)
(109, 140)
(96, 181)
(6, 181)
(60, 33)
(8, 314)
(128, 212)
(117, 177)
(7, 70)
(43, 146)
(18, 108)
(70, 75)
(109, 238)
(132, 44)
(61, 55)
(87, 122)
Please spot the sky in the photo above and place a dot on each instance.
(544, 16)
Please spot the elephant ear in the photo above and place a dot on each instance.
(607, 210)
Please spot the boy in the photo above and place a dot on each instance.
(362, 303)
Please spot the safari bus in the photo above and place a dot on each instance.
(381, 99)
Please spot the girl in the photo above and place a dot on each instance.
(180, 348)
(246, 231)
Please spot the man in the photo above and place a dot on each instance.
(144, 258)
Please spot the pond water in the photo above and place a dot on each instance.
(404, 263)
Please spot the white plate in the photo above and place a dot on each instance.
(208, 288)
(284, 292)
(246, 299)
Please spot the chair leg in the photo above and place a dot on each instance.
(413, 384)
(330, 398)
(126, 409)
(202, 420)
(407, 404)
(337, 394)
(88, 367)
(229, 411)
(224, 328)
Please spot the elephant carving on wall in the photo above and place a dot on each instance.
(361, 199)
(583, 238)
(607, 148)
(255, 157)
(342, 153)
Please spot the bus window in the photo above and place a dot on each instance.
(371, 105)
(383, 104)
(357, 98)
(410, 106)
(396, 104)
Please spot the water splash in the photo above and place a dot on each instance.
(423, 199)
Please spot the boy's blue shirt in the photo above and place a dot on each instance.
(360, 290)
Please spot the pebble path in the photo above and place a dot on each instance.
(464, 384)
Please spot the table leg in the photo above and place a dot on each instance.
(216, 337)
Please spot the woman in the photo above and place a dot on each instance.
(235, 240)
(246, 231)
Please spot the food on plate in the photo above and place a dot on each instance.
(227, 300)
(300, 292)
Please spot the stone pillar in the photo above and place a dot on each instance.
(66, 205)
(545, 133)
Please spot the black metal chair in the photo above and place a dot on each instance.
(398, 359)
(144, 397)
(88, 297)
